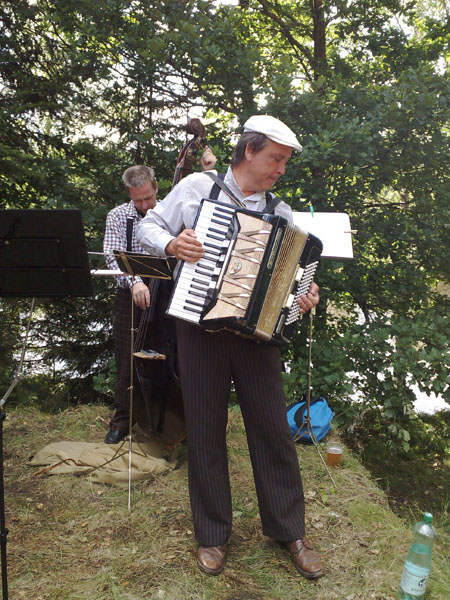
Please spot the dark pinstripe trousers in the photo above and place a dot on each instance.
(208, 364)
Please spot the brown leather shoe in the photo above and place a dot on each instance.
(211, 559)
(305, 558)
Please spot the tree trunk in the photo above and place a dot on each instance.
(319, 39)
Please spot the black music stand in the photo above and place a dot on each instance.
(43, 253)
(136, 264)
(145, 265)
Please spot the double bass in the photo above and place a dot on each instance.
(158, 401)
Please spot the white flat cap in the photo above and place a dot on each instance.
(274, 129)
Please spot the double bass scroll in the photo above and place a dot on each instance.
(189, 152)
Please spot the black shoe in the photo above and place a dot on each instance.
(114, 436)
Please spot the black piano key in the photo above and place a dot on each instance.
(199, 281)
(203, 266)
(192, 303)
(221, 222)
(222, 209)
(215, 246)
(213, 230)
(192, 309)
(210, 258)
(197, 294)
(205, 273)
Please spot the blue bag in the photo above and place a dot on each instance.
(320, 415)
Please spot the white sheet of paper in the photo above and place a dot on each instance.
(333, 229)
(106, 272)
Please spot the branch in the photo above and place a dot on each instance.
(300, 49)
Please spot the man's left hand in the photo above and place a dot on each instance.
(141, 295)
(310, 299)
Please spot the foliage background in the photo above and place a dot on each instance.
(90, 88)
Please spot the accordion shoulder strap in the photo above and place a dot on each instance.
(271, 201)
(219, 183)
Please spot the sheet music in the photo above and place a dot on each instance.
(333, 229)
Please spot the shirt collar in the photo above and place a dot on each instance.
(234, 187)
(133, 212)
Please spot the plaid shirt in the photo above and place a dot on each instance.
(116, 239)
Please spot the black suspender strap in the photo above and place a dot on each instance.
(271, 201)
(130, 223)
(220, 184)
(215, 190)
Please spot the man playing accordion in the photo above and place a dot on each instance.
(209, 362)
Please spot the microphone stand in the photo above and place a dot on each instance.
(309, 429)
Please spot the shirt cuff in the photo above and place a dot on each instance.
(135, 279)
(161, 242)
(127, 281)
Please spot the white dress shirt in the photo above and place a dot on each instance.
(179, 209)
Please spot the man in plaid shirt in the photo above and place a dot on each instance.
(120, 234)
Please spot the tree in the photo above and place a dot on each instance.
(363, 85)
(373, 113)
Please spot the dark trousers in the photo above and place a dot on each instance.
(122, 354)
(208, 364)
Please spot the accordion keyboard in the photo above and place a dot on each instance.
(195, 279)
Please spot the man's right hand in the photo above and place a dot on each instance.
(141, 295)
(185, 246)
(208, 160)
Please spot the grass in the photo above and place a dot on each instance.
(71, 539)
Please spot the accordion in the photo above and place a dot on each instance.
(255, 267)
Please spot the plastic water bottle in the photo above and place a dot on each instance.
(418, 562)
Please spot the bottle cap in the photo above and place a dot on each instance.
(427, 517)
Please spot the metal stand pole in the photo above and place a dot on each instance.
(3, 529)
(130, 442)
(309, 430)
